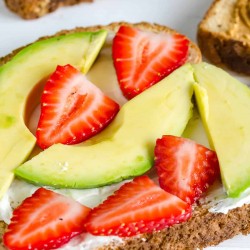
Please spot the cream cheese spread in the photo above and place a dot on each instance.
(216, 200)
(19, 190)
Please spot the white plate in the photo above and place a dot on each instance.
(182, 15)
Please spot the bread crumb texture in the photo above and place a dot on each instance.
(202, 230)
(29, 9)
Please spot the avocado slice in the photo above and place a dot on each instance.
(126, 147)
(224, 105)
(17, 79)
(195, 130)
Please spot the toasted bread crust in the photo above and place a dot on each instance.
(150, 241)
(194, 55)
(2, 229)
(220, 46)
(202, 230)
(29, 9)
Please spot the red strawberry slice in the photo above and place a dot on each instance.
(141, 58)
(73, 109)
(185, 168)
(137, 207)
(46, 220)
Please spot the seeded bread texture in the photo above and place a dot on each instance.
(218, 42)
(202, 230)
(169, 237)
(29, 9)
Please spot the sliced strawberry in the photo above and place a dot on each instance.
(141, 58)
(46, 220)
(73, 109)
(137, 207)
(185, 168)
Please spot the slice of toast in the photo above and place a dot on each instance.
(29, 9)
(204, 228)
(223, 34)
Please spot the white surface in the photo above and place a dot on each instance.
(182, 15)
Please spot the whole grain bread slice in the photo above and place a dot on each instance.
(29, 9)
(224, 32)
(204, 228)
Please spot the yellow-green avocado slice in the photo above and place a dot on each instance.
(224, 105)
(126, 147)
(17, 79)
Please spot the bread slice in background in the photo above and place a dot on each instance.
(204, 228)
(31, 9)
(224, 34)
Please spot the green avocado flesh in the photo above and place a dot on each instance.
(18, 78)
(126, 147)
(224, 105)
(195, 129)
